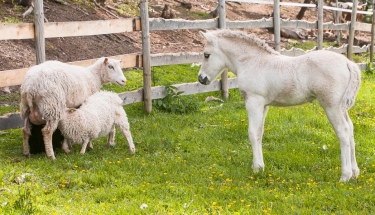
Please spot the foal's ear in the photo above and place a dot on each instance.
(202, 34)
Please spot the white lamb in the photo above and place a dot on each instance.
(96, 117)
(51, 87)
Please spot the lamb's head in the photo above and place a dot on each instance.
(112, 71)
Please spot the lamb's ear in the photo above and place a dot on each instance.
(70, 110)
(67, 112)
(105, 60)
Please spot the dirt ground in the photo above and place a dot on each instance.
(16, 54)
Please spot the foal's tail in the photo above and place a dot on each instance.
(353, 86)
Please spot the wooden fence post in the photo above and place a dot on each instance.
(40, 47)
(320, 24)
(146, 59)
(351, 30)
(224, 75)
(276, 23)
(337, 21)
(372, 36)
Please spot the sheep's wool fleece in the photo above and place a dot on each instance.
(95, 118)
(54, 85)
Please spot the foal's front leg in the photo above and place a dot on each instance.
(257, 112)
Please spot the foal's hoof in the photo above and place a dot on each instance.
(345, 178)
(355, 172)
(258, 168)
(132, 150)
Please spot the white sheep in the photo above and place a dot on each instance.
(96, 117)
(49, 88)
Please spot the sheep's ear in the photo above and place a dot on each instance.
(105, 60)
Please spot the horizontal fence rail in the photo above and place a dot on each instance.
(14, 120)
(300, 5)
(70, 29)
(17, 76)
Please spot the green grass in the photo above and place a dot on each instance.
(12, 103)
(199, 163)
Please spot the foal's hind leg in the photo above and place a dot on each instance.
(256, 113)
(355, 168)
(26, 135)
(342, 128)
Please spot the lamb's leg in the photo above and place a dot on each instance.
(66, 146)
(111, 137)
(47, 132)
(26, 135)
(124, 127)
(91, 146)
(84, 145)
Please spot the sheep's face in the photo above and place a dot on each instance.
(114, 72)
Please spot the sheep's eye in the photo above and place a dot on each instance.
(110, 66)
(206, 55)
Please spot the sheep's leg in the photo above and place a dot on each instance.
(47, 132)
(124, 127)
(26, 135)
(66, 146)
(111, 137)
(84, 145)
(91, 146)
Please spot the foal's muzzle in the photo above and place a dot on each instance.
(204, 80)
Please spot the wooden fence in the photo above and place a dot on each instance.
(147, 60)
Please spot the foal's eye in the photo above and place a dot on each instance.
(110, 66)
(206, 55)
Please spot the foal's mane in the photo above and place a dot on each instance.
(251, 38)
